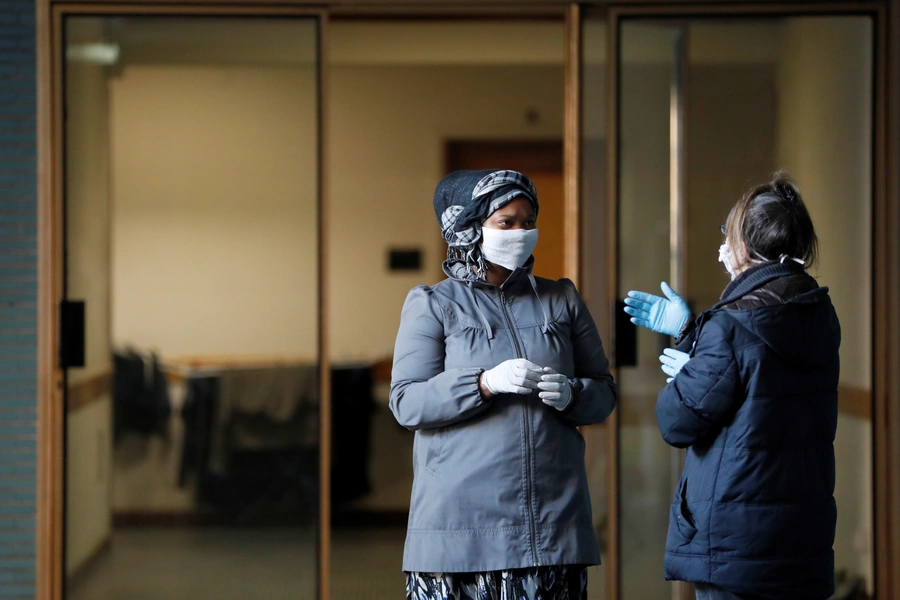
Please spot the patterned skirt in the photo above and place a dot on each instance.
(568, 582)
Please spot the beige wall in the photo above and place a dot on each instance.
(88, 480)
(724, 156)
(88, 441)
(214, 228)
(824, 140)
(825, 135)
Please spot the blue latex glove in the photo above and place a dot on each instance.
(664, 315)
(672, 360)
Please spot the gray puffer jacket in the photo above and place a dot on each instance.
(500, 483)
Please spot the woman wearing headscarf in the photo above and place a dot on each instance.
(752, 395)
(494, 369)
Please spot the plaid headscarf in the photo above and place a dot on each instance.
(464, 199)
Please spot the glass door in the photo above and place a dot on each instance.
(192, 195)
(704, 109)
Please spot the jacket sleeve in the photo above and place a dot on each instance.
(685, 339)
(423, 394)
(594, 392)
(704, 393)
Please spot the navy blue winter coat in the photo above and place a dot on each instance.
(756, 408)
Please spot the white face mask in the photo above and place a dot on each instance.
(725, 258)
(509, 248)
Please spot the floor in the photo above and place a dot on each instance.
(204, 563)
(231, 564)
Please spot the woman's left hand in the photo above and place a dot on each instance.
(555, 389)
(672, 360)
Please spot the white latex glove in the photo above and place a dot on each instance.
(672, 360)
(514, 376)
(555, 389)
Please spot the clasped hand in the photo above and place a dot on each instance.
(521, 376)
(664, 315)
(556, 391)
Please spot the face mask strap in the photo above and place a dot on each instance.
(725, 254)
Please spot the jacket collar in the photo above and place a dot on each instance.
(457, 271)
(756, 277)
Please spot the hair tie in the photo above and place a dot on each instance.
(785, 191)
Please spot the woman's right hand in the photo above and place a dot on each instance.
(664, 315)
(514, 376)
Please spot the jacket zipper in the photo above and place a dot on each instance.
(529, 476)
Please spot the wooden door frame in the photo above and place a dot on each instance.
(886, 239)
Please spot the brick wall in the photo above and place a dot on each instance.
(18, 298)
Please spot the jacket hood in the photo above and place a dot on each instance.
(790, 313)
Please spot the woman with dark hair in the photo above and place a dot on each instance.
(752, 394)
(494, 369)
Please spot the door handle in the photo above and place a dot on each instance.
(71, 334)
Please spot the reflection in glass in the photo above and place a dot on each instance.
(191, 198)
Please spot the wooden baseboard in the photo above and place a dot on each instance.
(88, 391)
(855, 401)
(852, 401)
(355, 518)
(168, 519)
